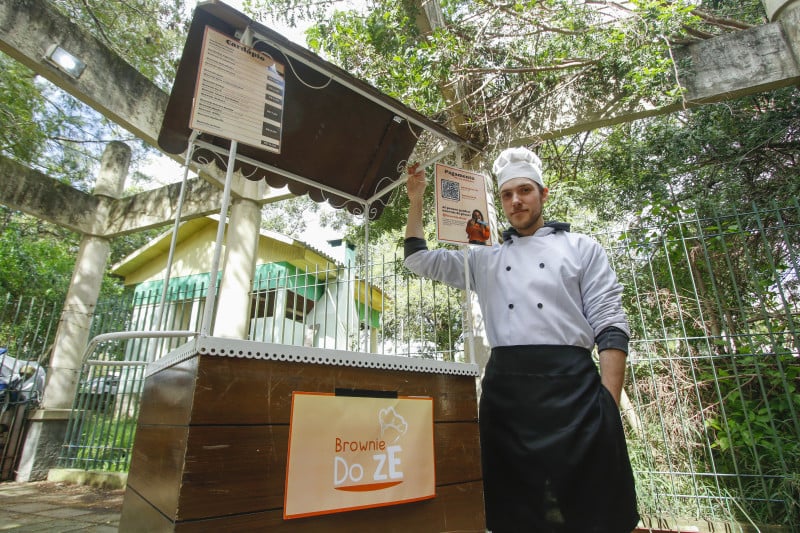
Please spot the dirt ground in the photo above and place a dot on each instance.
(82, 496)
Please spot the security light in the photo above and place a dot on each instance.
(64, 61)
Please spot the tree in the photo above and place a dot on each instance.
(148, 34)
(46, 129)
(38, 257)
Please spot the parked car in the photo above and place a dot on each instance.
(20, 380)
(104, 385)
(100, 392)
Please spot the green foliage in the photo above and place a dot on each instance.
(52, 132)
(38, 258)
(105, 443)
(710, 294)
(148, 34)
(717, 156)
(424, 318)
(746, 11)
(290, 216)
(751, 428)
(384, 48)
(22, 128)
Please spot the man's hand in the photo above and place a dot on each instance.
(612, 371)
(415, 188)
(416, 184)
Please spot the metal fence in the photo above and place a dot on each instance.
(27, 329)
(711, 401)
(712, 408)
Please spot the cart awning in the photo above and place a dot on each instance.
(342, 140)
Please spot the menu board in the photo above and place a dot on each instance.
(239, 93)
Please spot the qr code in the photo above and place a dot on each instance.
(451, 190)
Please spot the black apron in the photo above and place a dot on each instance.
(552, 445)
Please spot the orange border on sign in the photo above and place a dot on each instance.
(352, 489)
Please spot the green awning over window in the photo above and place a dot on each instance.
(268, 276)
(287, 276)
(180, 288)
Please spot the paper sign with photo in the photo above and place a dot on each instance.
(461, 207)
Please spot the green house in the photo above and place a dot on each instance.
(300, 295)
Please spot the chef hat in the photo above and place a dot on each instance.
(517, 162)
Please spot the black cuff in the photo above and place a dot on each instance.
(612, 337)
(413, 245)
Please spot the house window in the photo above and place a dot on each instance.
(297, 307)
(263, 304)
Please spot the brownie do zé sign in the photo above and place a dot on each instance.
(348, 453)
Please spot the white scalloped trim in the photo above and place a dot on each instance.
(221, 347)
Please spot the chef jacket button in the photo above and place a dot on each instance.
(539, 305)
(511, 306)
(508, 268)
(541, 265)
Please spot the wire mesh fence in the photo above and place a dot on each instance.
(712, 416)
(710, 404)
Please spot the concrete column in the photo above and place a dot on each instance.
(776, 8)
(241, 251)
(49, 423)
(480, 344)
(788, 16)
(113, 170)
(73, 329)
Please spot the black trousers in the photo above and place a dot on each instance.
(552, 445)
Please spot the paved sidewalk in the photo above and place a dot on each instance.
(58, 507)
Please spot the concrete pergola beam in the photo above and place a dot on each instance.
(40, 196)
(724, 67)
(108, 84)
(28, 28)
(751, 61)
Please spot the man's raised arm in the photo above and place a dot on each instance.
(415, 187)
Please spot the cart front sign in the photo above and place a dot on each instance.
(348, 453)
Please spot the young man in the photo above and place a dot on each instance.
(552, 444)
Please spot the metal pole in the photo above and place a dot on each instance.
(468, 292)
(211, 297)
(367, 289)
(178, 212)
(468, 308)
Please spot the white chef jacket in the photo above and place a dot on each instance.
(553, 288)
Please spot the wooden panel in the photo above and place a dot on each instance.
(237, 391)
(212, 438)
(455, 508)
(233, 469)
(138, 516)
(239, 469)
(457, 452)
(157, 465)
(167, 395)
